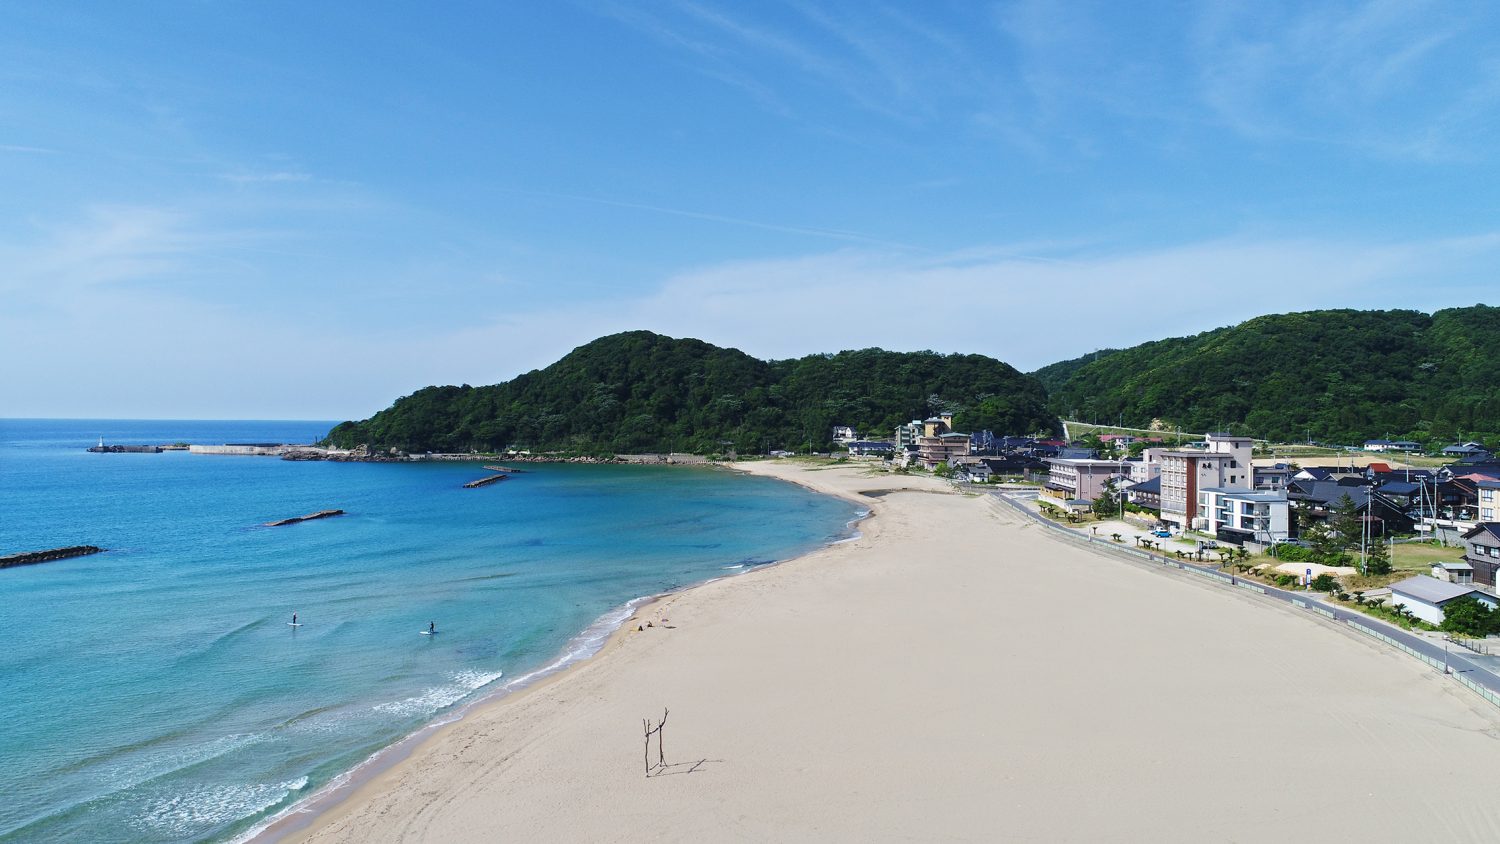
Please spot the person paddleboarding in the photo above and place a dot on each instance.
(431, 627)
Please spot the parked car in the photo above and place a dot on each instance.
(1163, 534)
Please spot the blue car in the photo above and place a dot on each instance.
(1164, 534)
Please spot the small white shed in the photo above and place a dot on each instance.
(1425, 596)
(1460, 573)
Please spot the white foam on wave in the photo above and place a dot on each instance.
(579, 648)
(129, 774)
(199, 811)
(430, 701)
(853, 527)
(585, 644)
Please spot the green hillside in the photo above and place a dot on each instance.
(1054, 375)
(642, 392)
(1337, 376)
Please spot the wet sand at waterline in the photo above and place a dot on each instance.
(955, 673)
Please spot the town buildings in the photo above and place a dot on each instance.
(939, 443)
(1237, 516)
(1224, 463)
(1082, 479)
(1402, 446)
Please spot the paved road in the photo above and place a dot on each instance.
(1455, 659)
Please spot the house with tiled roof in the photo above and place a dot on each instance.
(1482, 551)
(1316, 500)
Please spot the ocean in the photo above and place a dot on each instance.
(157, 692)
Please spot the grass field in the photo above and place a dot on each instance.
(1420, 555)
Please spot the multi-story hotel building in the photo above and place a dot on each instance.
(1224, 464)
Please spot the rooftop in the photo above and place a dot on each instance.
(1246, 495)
(1431, 590)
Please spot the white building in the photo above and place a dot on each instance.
(1235, 515)
(1223, 463)
(908, 434)
(1426, 596)
(844, 434)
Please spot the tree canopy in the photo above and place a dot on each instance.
(643, 392)
(1338, 376)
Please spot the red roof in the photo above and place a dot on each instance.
(1380, 467)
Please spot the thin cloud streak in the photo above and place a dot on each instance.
(833, 234)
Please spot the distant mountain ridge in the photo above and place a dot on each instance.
(644, 392)
(1336, 375)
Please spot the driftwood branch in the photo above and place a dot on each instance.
(661, 754)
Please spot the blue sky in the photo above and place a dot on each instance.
(304, 210)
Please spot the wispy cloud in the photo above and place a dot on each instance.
(271, 176)
(1393, 79)
(1020, 304)
(110, 245)
(18, 148)
(832, 234)
(877, 59)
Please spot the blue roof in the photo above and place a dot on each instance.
(1151, 487)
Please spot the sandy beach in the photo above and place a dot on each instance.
(956, 674)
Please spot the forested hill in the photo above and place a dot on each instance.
(1054, 375)
(1339, 376)
(642, 392)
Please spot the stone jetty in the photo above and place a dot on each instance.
(125, 449)
(321, 514)
(32, 557)
(485, 481)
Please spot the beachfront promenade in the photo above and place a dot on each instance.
(960, 673)
(1475, 676)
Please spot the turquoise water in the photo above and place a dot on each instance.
(156, 692)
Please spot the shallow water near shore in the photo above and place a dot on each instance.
(156, 692)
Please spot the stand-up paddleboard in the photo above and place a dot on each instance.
(294, 624)
(429, 632)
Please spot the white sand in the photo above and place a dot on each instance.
(959, 675)
(1300, 569)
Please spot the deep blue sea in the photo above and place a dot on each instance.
(157, 693)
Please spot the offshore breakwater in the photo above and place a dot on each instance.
(29, 558)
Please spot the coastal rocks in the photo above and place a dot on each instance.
(364, 454)
(360, 454)
(33, 557)
(321, 514)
